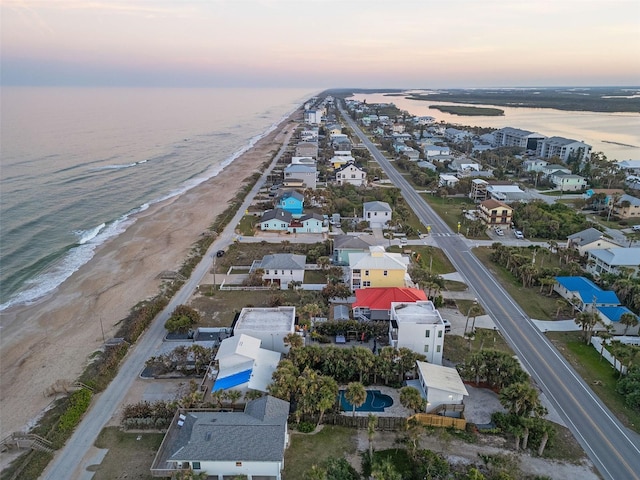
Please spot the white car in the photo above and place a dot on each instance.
(636, 228)
(499, 232)
(518, 234)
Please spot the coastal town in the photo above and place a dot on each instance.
(366, 291)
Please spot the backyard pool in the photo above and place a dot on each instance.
(375, 402)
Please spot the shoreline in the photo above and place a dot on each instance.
(52, 339)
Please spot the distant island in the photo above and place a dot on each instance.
(468, 111)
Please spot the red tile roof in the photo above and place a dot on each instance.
(380, 298)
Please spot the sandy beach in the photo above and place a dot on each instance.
(53, 339)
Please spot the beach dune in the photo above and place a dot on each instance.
(53, 339)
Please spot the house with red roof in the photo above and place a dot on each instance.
(375, 303)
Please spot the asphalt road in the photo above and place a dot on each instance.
(614, 449)
(67, 464)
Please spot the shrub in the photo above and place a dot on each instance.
(78, 404)
(306, 427)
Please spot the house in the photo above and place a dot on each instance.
(553, 168)
(308, 223)
(227, 444)
(627, 206)
(478, 191)
(303, 161)
(612, 260)
(534, 165)
(308, 174)
(378, 268)
(447, 180)
(281, 268)
(631, 167)
(457, 135)
(463, 166)
(338, 161)
(306, 149)
(441, 386)
(376, 213)
(427, 165)
(275, 220)
(375, 303)
(343, 245)
(434, 150)
(611, 316)
(589, 239)
(270, 325)
(313, 117)
(568, 182)
(243, 365)
(565, 149)
(417, 326)
(292, 202)
(508, 193)
(495, 214)
(514, 137)
(602, 198)
(583, 294)
(351, 174)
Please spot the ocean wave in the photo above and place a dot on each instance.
(87, 235)
(119, 166)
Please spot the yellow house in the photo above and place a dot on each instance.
(378, 268)
(495, 214)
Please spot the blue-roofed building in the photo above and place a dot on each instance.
(292, 202)
(243, 365)
(611, 316)
(583, 294)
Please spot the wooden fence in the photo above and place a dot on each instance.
(382, 423)
(439, 421)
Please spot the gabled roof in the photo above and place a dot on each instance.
(381, 298)
(300, 168)
(587, 291)
(441, 378)
(585, 237)
(346, 166)
(283, 261)
(634, 201)
(277, 214)
(618, 256)
(355, 242)
(291, 194)
(242, 344)
(378, 260)
(312, 216)
(614, 313)
(257, 434)
(491, 204)
(377, 206)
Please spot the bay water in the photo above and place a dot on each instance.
(77, 164)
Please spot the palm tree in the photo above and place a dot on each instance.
(628, 319)
(587, 321)
(233, 396)
(475, 310)
(356, 395)
(411, 398)
(293, 340)
(371, 431)
(326, 395)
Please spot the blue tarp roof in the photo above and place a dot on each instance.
(587, 290)
(614, 313)
(232, 380)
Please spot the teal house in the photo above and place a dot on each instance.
(292, 202)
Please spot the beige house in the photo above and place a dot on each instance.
(495, 214)
(589, 239)
(627, 207)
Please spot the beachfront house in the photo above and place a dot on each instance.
(375, 303)
(343, 245)
(589, 239)
(583, 294)
(306, 149)
(308, 223)
(377, 214)
(351, 174)
(419, 327)
(281, 269)
(248, 444)
(307, 174)
(292, 202)
(612, 260)
(243, 365)
(377, 268)
(271, 325)
(441, 386)
(276, 219)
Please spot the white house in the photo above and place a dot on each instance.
(281, 268)
(447, 180)
(457, 135)
(270, 325)
(434, 150)
(441, 385)
(308, 174)
(243, 365)
(534, 165)
(417, 326)
(463, 165)
(351, 174)
(276, 219)
(227, 444)
(568, 182)
(376, 213)
(610, 260)
(589, 239)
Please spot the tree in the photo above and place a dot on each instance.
(293, 340)
(587, 321)
(182, 319)
(371, 431)
(356, 395)
(521, 399)
(384, 470)
(475, 310)
(233, 396)
(326, 395)
(411, 398)
(628, 320)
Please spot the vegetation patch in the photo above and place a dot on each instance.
(469, 111)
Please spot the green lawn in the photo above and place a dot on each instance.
(450, 209)
(598, 374)
(306, 450)
(535, 305)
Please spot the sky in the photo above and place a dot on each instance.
(320, 43)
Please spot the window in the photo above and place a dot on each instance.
(439, 333)
(196, 465)
(427, 333)
(366, 284)
(385, 273)
(238, 464)
(426, 349)
(438, 348)
(266, 272)
(366, 273)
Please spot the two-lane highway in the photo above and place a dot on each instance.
(614, 450)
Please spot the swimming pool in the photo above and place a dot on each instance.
(375, 402)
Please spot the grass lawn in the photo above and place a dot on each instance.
(306, 450)
(535, 305)
(453, 286)
(450, 209)
(315, 276)
(427, 257)
(456, 348)
(246, 225)
(130, 454)
(598, 374)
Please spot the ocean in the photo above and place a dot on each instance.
(77, 164)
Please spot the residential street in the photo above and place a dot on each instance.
(614, 450)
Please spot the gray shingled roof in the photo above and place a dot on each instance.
(293, 194)
(283, 261)
(276, 213)
(585, 237)
(257, 434)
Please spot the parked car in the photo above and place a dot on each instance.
(447, 325)
(499, 232)
(219, 253)
(518, 234)
(403, 240)
(636, 228)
